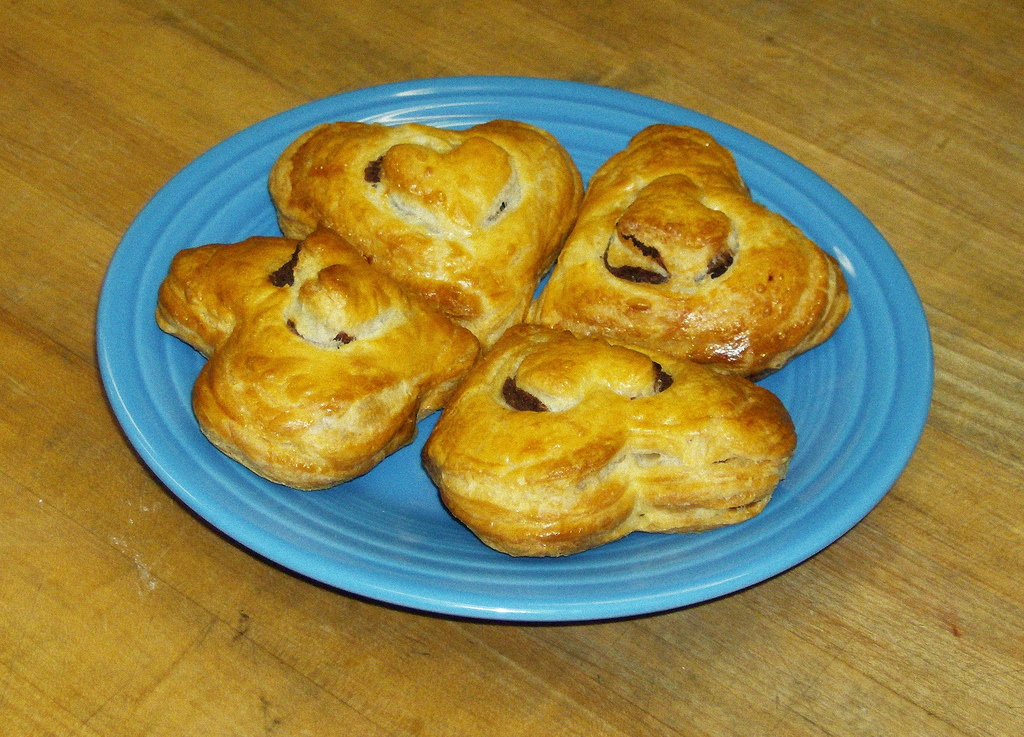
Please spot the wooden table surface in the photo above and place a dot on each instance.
(122, 613)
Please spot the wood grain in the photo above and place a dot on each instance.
(121, 613)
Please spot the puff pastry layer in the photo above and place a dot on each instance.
(554, 444)
(319, 366)
(470, 219)
(671, 253)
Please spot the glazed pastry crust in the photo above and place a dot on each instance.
(469, 219)
(318, 366)
(671, 253)
(554, 444)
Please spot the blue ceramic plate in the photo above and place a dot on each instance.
(859, 401)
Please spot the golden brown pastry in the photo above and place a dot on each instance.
(319, 366)
(671, 253)
(554, 444)
(470, 219)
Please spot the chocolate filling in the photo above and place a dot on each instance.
(497, 213)
(285, 276)
(372, 171)
(719, 264)
(638, 274)
(519, 399)
(342, 337)
(662, 380)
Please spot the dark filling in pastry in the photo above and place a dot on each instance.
(719, 264)
(662, 380)
(638, 274)
(342, 338)
(285, 276)
(520, 400)
(649, 251)
(372, 171)
(497, 213)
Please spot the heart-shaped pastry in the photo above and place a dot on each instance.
(319, 365)
(671, 253)
(554, 444)
(469, 219)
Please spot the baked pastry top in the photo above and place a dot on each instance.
(318, 365)
(671, 253)
(554, 444)
(470, 219)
